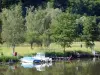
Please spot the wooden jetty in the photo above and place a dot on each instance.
(61, 58)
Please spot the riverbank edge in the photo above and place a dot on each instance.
(54, 55)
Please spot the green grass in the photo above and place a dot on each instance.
(25, 49)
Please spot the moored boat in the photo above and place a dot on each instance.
(40, 57)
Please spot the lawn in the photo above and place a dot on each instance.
(25, 49)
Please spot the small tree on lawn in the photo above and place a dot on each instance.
(13, 27)
(34, 24)
(38, 24)
(91, 31)
(64, 29)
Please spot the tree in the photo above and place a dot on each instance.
(38, 23)
(8, 3)
(99, 32)
(13, 27)
(64, 29)
(0, 30)
(91, 31)
(34, 24)
(89, 7)
(0, 6)
(61, 4)
(51, 14)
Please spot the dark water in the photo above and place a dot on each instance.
(74, 67)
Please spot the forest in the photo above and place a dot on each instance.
(49, 21)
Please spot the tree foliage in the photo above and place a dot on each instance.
(34, 23)
(13, 27)
(90, 30)
(8, 3)
(64, 28)
(45, 20)
(89, 7)
(38, 24)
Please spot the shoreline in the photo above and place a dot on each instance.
(56, 56)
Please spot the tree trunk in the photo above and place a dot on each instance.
(13, 49)
(64, 48)
(32, 46)
(93, 51)
(48, 41)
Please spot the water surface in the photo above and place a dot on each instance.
(74, 67)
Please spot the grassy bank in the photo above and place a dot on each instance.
(25, 49)
(54, 55)
(9, 59)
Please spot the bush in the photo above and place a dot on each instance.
(54, 54)
(7, 59)
(67, 54)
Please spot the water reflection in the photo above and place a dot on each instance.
(74, 67)
(38, 66)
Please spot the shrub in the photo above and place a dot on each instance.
(7, 59)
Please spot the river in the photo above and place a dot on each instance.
(73, 67)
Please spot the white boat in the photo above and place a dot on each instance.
(39, 67)
(40, 57)
(29, 60)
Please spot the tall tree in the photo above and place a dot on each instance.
(38, 22)
(0, 5)
(61, 4)
(91, 31)
(89, 7)
(13, 27)
(64, 29)
(51, 14)
(8, 3)
(0, 30)
(34, 24)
